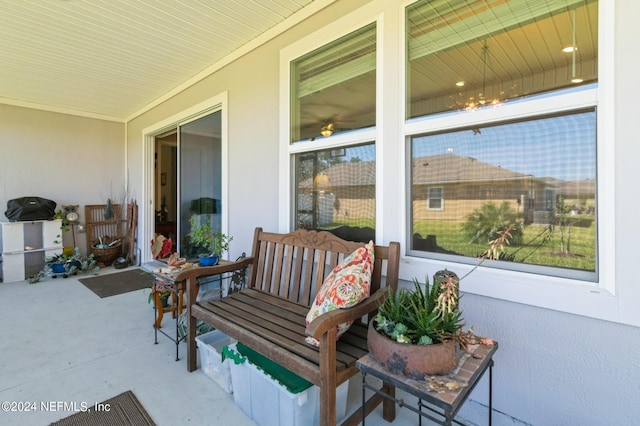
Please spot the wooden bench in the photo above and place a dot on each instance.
(269, 314)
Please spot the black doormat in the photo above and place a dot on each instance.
(118, 282)
(124, 409)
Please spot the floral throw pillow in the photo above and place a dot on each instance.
(346, 286)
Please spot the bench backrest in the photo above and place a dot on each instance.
(294, 265)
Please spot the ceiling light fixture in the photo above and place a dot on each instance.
(573, 49)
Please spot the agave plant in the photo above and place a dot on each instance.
(422, 315)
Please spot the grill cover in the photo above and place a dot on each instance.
(30, 208)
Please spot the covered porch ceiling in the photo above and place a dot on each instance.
(115, 59)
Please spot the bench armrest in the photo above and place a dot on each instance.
(191, 275)
(205, 271)
(331, 319)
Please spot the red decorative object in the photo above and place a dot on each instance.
(161, 247)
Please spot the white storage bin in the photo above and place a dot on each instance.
(210, 352)
(269, 403)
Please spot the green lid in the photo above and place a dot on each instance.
(230, 352)
(294, 383)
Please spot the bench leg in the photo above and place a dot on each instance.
(328, 379)
(192, 363)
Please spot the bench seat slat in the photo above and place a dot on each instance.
(275, 301)
(257, 306)
(280, 332)
(283, 328)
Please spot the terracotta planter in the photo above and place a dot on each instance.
(413, 361)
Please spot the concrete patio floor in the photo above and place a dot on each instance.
(59, 342)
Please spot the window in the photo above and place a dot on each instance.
(492, 175)
(333, 88)
(446, 42)
(434, 201)
(532, 173)
(332, 100)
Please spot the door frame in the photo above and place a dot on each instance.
(147, 211)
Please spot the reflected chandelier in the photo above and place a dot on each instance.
(474, 103)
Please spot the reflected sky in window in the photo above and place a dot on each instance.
(562, 147)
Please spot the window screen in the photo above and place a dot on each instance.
(535, 177)
(335, 188)
(334, 87)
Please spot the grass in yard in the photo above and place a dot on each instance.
(580, 256)
(449, 237)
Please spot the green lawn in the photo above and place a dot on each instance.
(450, 237)
(582, 249)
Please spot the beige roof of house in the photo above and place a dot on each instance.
(447, 168)
(454, 168)
(360, 173)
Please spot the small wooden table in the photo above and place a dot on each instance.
(439, 397)
(174, 280)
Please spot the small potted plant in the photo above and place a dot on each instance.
(66, 265)
(163, 295)
(212, 244)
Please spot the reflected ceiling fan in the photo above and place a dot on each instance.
(330, 124)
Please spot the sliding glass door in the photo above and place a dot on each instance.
(200, 177)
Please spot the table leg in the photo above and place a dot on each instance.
(180, 302)
(159, 309)
(364, 409)
(155, 317)
(174, 301)
(177, 337)
(490, 391)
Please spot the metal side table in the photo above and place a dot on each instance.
(439, 397)
(174, 281)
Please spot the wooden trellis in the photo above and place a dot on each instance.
(119, 227)
(100, 228)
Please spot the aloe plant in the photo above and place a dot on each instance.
(422, 315)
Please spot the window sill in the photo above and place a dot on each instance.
(560, 294)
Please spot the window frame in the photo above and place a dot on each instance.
(337, 29)
(526, 287)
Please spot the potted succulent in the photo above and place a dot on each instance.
(212, 244)
(417, 331)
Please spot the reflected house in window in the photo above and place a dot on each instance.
(350, 198)
(353, 184)
(465, 184)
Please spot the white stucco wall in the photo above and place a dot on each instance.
(554, 368)
(61, 157)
